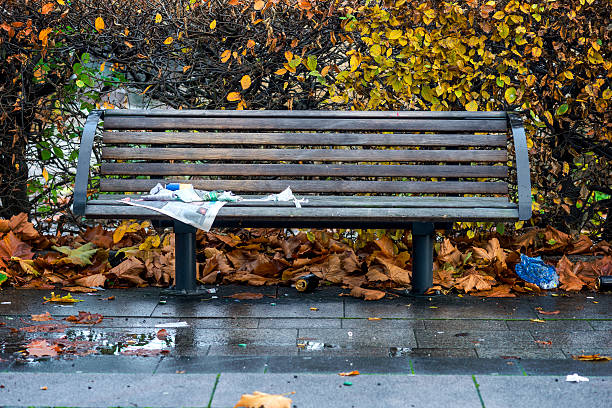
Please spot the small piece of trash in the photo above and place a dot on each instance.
(5, 303)
(433, 307)
(537, 320)
(576, 378)
(314, 309)
(211, 290)
(45, 388)
(172, 325)
(373, 318)
(65, 306)
(348, 383)
(440, 332)
(214, 297)
(242, 345)
(350, 334)
(272, 304)
(162, 302)
(590, 297)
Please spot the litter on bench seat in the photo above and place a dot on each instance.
(197, 208)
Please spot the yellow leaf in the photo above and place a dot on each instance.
(61, 299)
(158, 18)
(568, 75)
(470, 234)
(250, 44)
(566, 168)
(354, 63)
(44, 34)
(289, 55)
(499, 15)
(99, 24)
(337, 99)
(119, 233)
(510, 94)
(213, 24)
(47, 8)
(262, 400)
(394, 34)
(325, 70)
(225, 55)
(375, 50)
(472, 106)
(259, 4)
(519, 224)
(536, 51)
(245, 82)
(186, 68)
(233, 96)
(241, 105)
(168, 40)
(45, 174)
(61, 2)
(280, 71)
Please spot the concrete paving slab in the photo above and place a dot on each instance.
(463, 339)
(571, 339)
(443, 352)
(577, 306)
(317, 390)
(212, 364)
(339, 364)
(104, 390)
(601, 324)
(565, 367)
(464, 325)
(202, 323)
(246, 336)
(549, 325)
(87, 364)
(355, 338)
(464, 366)
(298, 323)
(441, 307)
(252, 350)
(543, 392)
(365, 323)
(534, 351)
(134, 302)
(362, 351)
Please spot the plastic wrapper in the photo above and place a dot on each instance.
(534, 270)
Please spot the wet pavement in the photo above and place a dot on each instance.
(289, 341)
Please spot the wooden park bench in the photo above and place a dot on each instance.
(358, 169)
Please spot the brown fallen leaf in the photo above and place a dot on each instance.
(42, 317)
(42, 348)
(544, 312)
(544, 342)
(367, 294)
(246, 296)
(78, 289)
(592, 357)
(91, 281)
(47, 328)
(108, 298)
(349, 374)
(263, 400)
(373, 318)
(86, 318)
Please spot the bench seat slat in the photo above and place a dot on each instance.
(333, 155)
(303, 114)
(316, 186)
(301, 170)
(294, 217)
(320, 124)
(353, 201)
(311, 139)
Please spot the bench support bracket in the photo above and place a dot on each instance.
(185, 263)
(422, 256)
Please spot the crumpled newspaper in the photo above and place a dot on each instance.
(534, 270)
(285, 195)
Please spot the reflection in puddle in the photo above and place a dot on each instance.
(399, 351)
(121, 343)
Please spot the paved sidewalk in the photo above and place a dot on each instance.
(447, 350)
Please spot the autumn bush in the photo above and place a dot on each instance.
(549, 60)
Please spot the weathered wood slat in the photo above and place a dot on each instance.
(316, 186)
(312, 139)
(295, 217)
(328, 155)
(302, 170)
(321, 124)
(303, 114)
(352, 201)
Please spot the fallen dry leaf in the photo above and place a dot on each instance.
(78, 289)
(246, 296)
(42, 348)
(367, 294)
(46, 328)
(162, 334)
(263, 400)
(592, 357)
(544, 342)
(61, 299)
(42, 317)
(474, 282)
(551, 313)
(349, 374)
(86, 318)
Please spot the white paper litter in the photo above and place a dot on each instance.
(285, 195)
(575, 378)
(5, 303)
(171, 325)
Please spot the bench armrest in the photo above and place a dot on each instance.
(82, 174)
(522, 166)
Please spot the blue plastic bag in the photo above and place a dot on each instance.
(534, 270)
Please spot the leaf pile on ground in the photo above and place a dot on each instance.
(135, 255)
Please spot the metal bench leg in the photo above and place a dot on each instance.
(422, 256)
(185, 262)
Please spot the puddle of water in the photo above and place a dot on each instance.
(399, 351)
(118, 343)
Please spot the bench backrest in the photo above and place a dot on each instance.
(320, 152)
